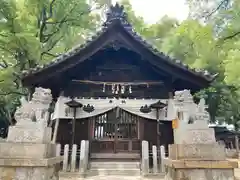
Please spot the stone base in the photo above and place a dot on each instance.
(32, 134)
(29, 169)
(200, 174)
(27, 150)
(199, 170)
(197, 152)
(194, 134)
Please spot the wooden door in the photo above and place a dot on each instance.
(112, 134)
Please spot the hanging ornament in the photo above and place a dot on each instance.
(130, 89)
(123, 89)
(117, 89)
(113, 88)
(104, 86)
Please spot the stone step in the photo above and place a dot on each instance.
(154, 176)
(114, 165)
(115, 156)
(114, 172)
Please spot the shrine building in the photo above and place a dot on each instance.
(114, 90)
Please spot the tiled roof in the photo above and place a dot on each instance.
(116, 13)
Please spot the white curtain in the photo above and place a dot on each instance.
(101, 106)
(133, 106)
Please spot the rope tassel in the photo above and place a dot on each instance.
(122, 89)
(130, 89)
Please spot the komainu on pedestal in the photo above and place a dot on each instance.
(195, 154)
(28, 152)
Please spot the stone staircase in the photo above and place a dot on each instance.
(112, 168)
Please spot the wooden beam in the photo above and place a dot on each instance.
(55, 130)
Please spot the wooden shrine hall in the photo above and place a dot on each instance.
(114, 89)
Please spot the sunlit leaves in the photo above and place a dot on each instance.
(33, 32)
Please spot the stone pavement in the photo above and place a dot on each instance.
(101, 177)
(112, 178)
(237, 174)
(75, 176)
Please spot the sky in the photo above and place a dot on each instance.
(153, 10)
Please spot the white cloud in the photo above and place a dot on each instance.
(153, 10)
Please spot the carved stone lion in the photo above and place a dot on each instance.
(183, 96)
(35, 109)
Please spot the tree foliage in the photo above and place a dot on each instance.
(33, 32)
(208, 39)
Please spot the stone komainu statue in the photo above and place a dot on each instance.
(184, 95)
(184, 102)
(34, 109)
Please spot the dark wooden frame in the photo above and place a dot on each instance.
(117, 32)
(114, 144)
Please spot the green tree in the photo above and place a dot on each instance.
(154, 33)
(33, 32)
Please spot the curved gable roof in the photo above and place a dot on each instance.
(116, 27)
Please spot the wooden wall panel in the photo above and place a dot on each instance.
(64, 135)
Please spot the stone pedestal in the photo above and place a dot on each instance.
(32, 133)
(197, 156)
(28, 154)
(199, 170)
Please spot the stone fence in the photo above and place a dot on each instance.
(232, 153)
(75, 157)
(152, 159)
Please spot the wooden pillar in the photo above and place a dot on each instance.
(55, 130)
(170, 88)
(170, 95)
(158, 132)
(116, 133)
(237, 144)
(30, 93)
(73, 131)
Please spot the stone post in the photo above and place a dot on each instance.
(58, 151)
(237, 144)
(65, 157)
(82, 164)
(86, 154)
(73, 158)
(28, 152)
(145, 158)
(162, 157)
(155, 164)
